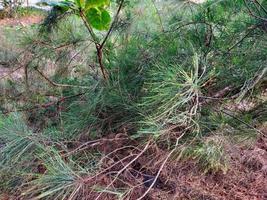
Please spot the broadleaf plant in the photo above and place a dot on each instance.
(95, 11)
(99, 18)
(95, 15)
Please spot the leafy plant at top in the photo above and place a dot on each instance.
(95, 11)
(94, 14)
(99, 18)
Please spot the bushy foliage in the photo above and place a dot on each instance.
(163, 67)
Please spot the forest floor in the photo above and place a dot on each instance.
(244, 180)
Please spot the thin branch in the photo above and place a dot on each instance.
(77, 53)
(100, 60)
(89, 144)
(11, 72)
(257, 78)
(57, 84)
(89, 178)
(112, 25)
(262, 7)
(125, 167)
(251, 12)
(157, 176)
(240, 120)
(46, 105)
(97, 45)
(242, 39)
(89, 28)
(162, 166)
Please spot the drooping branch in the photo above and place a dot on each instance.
(242, 39)
(261, 6)
(46, 105)
(57, 84)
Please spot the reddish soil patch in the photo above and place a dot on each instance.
(245, 179)
(23, 21)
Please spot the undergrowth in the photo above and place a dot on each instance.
(71, 134)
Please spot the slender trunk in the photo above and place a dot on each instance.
(97, 45)
(100, 60)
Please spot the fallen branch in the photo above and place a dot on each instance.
(46, 105)
(157, 176)
(125, 167)
(162, 166)
(88, 144)
(57, 84)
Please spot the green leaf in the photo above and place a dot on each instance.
(96, 3)
(99, 18)
(80, 3)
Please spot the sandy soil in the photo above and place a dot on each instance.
(23, 21)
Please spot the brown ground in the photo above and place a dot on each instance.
(245, 179)
(22, 21)
(27, 20)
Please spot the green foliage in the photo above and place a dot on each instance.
(104, 109)
(99, 18)
(215, 29)
(159, 85)
(18, 140)
(171, 92)
(94, 10)
(28, 151)
(18, 149)
(209, 155)
(59, 181)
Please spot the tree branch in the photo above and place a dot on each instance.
(57, 84)
(46, 105)
(112, 25)
(252, 14)
(242, 39)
